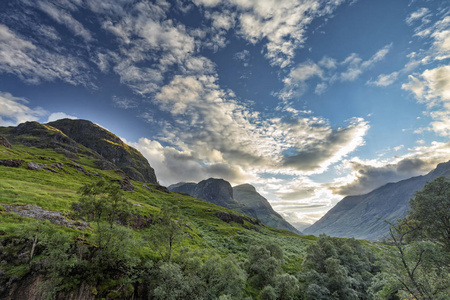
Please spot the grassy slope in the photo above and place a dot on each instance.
(57, 192)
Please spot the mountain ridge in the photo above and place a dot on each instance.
(362, 216)
(243, 198)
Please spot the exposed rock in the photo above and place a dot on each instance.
(34, 166)
(15, 163)
(4, 142)
(140, 222)
(36, 212)
(105, 165)
(162, 188)
(148, 188)
(227, 217)
(126, 185)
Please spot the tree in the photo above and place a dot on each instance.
(166, 235)
(264, 263)
(431, 209)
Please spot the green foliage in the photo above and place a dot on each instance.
(263, 265)
(103, 200)
(338, 269)
(430, 208)
(167, 234)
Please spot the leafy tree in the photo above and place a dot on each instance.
(287, 286)
(264, 263)
(430, 208)
(166, 235)
(421, 263)
(338, 269)
(268, 293)
(103, 200)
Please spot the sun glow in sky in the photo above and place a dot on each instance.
(307, 100)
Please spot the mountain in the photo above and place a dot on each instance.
(109, 146)
(212, 190)
(247, 195)
(242, 198)
(364, 216)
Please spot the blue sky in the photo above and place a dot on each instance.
(307, 100)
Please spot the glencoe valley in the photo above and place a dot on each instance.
(225, 149)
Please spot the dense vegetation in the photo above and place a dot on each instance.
(99, 241)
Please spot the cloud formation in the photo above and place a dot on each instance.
(14, 110)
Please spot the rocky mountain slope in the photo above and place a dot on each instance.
(363, 216)
(80, 137)
(247, 195)
(109, 146)
(243, 199)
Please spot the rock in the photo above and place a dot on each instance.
(4, 142)
(36, 212)
(162, 189)
(228, 217)
(148, 188)
(15, 163)
(34, 166)
(105, 165)
(126, 185)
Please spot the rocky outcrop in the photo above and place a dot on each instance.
(14, 163)
(109, 147)
(4, 142)
(36, 212)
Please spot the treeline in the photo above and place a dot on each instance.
(117, 262)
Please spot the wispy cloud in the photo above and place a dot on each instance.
(33, 64)
(328, 70)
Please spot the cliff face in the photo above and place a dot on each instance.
(364, 216)
(109, 146)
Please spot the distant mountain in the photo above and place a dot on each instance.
(212, 190)
(363, 216)
(75, 138)
(247, 195)
(243, 199)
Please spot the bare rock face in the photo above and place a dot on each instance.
(15, 163)
(4, 142)
(126, 185)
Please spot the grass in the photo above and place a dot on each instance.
(57, 192)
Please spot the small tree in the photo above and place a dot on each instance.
(167, 234)
(103, 200)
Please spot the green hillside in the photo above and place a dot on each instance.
(72, 229)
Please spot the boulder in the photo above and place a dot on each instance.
(15, 163)
(4, 142)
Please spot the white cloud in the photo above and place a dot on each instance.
(59, 115)
(125, 103)
(421, 13)
(432, 87)
(384, 79)
(328, 70)
(14, 110)
(33, 64)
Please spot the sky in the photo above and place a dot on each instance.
(307, 100)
